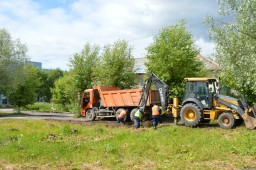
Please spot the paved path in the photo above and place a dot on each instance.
(11, 114)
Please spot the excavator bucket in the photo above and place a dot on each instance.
(249, 115)
(250, 118)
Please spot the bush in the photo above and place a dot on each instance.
(75, 108)
(46, 107)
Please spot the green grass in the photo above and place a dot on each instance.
(45, 107)
(38, 144)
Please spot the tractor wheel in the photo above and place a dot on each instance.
(226, 120)
(132, 114)
(190, 114)
(90, 115)
(118, 112)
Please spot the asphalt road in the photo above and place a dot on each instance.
(11, 114)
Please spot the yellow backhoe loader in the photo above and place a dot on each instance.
(202, 103)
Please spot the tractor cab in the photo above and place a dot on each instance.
(200, 91)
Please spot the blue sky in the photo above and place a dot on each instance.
(53, 30)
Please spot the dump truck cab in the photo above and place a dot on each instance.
(90, 99)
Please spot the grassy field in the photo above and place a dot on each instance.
(27, 144)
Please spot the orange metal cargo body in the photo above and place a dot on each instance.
(105, 101)
(125, 98)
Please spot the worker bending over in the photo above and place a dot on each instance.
(156, 111)
(121, 116)
(138, 117)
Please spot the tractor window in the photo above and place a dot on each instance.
(201, 92)
(200, 88)
(211, 86)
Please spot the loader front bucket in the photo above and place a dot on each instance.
(250, 118)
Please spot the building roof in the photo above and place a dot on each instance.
(209, 64)
(140, 68)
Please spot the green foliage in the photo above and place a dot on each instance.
(47, 79)
(25, 91)
(79, 77)
(234, 32)
(46, 107)
(87, 68)
(173, 56)
(82, 66)
(64, 91)
(68, 146)
(12, 56)
(116, 66)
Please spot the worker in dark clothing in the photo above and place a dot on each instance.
(161, 115)
(121, 116)
(156, 110)
(138, 117)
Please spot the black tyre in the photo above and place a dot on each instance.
(132, 114)
(226, 121)
(90, 115)
(118, 112)
(190, 114)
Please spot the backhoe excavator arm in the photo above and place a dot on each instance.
(162, 88)
(248, 114)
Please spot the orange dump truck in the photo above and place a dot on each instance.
(105, 101)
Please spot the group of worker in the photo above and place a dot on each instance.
(156, 116)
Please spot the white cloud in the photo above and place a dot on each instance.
(54, 34)
(207, 48)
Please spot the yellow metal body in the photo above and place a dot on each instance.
(191, 111)
(175, 107)
(213, 114)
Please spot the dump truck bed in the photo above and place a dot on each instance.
(113, 97)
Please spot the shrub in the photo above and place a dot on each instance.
(46, 107)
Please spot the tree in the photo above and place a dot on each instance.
(24, 92)
(82, 66)
(116, 66)
(173, 56)
(64, 91)
(77, 79)
(234, 32)
(47, 79)
(12, 55)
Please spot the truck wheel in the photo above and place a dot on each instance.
(226, 121)
(132, 114)
(90, 115)
(118, 112)
(190, 114)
